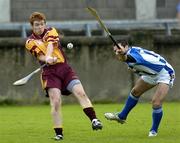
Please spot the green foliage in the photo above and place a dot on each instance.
(33, 124)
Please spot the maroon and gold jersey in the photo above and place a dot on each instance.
(38, 44)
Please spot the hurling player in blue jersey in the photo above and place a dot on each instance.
(153, 70)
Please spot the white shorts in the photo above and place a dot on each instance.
(162, 77)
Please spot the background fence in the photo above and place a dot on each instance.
(104, 78)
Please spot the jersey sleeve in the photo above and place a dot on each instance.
(52, 36)
(30, 46)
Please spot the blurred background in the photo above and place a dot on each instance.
(152, 24)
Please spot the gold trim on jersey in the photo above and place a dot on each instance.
(36, 46)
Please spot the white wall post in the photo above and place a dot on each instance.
(145, 9)
(4, 10)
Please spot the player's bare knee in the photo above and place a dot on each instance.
(135, 92)
(56, 104)
(80, 94)
(156, 103)
(55, 110)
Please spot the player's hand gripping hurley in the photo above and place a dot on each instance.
(24, 80)
(95, 14)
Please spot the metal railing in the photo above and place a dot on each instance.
(89, 26)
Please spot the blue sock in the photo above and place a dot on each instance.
(130, 103)
(156, 116)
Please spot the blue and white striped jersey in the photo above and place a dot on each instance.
(147, 62)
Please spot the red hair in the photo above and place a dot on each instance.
(36, 16)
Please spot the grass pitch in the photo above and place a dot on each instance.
(33, 124)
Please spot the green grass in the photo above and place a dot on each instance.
(32, 124)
